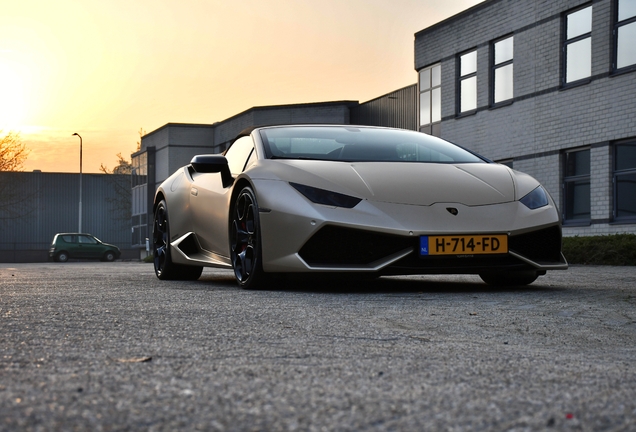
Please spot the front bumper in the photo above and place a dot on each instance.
(300, 236)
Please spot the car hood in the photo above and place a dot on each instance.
(470, 184)
(110, 245)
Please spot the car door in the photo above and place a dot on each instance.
(210, 201)
(71, 245)
(88, 247)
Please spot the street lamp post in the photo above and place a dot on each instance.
(80, 179)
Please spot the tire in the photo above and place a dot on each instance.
(165, 269)
(61, 256)
(190, 273)
(109, 256)
(518, 278)
(245, 241)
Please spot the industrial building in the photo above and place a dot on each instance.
(38, 205)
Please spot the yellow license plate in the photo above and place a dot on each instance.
(464, 245)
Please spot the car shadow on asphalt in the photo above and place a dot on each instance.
(406, 286)
(383, 285)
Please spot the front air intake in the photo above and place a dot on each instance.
(333, 245)
(543, 245)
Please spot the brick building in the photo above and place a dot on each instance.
(547, 87)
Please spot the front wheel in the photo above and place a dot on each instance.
(512, 278)
(245, 241)
(109, 256)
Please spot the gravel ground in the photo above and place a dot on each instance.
(107, 346)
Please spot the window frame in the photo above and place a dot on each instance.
(571, 179)
(617, 173)
(86, 239)
(244, 148)
(493, 68)
(616, 25)
(434, 126)
(569, 41)
(461, 78)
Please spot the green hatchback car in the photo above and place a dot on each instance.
(85, 246)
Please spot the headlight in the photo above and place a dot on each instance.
(325, 197)
(535, 199)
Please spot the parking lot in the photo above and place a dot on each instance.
(107, 346)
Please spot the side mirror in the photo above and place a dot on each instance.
(213, 164)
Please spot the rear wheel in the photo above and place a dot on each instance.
(61, 256)
(165, 269)
(245, 241)
(513, 278)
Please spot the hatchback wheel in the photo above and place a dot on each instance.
(109, 256)
(61, 257)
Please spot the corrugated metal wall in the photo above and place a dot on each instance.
(396, 109)
(50, 204)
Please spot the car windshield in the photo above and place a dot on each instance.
(359, 144)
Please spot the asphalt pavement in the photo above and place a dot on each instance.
(107, 346)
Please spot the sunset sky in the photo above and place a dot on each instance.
(106, 69)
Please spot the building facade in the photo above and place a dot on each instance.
(547, 87)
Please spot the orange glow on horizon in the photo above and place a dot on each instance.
(106, 69)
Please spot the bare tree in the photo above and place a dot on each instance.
(121, 202)
(123, 166)
(13, 153)
(141, 133)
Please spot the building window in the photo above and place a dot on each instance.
(577, 48)
(431, 99)
(468, 82)
(140, 169)
(502, 71)
(139, 199)
(625, 181)
(625, 34)
(576, 186)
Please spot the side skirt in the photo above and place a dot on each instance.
(187, 250)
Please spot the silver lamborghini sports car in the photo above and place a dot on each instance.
(351, 199)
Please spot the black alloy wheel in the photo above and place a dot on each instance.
(160, 242)
(245, 246)
(165, 269)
